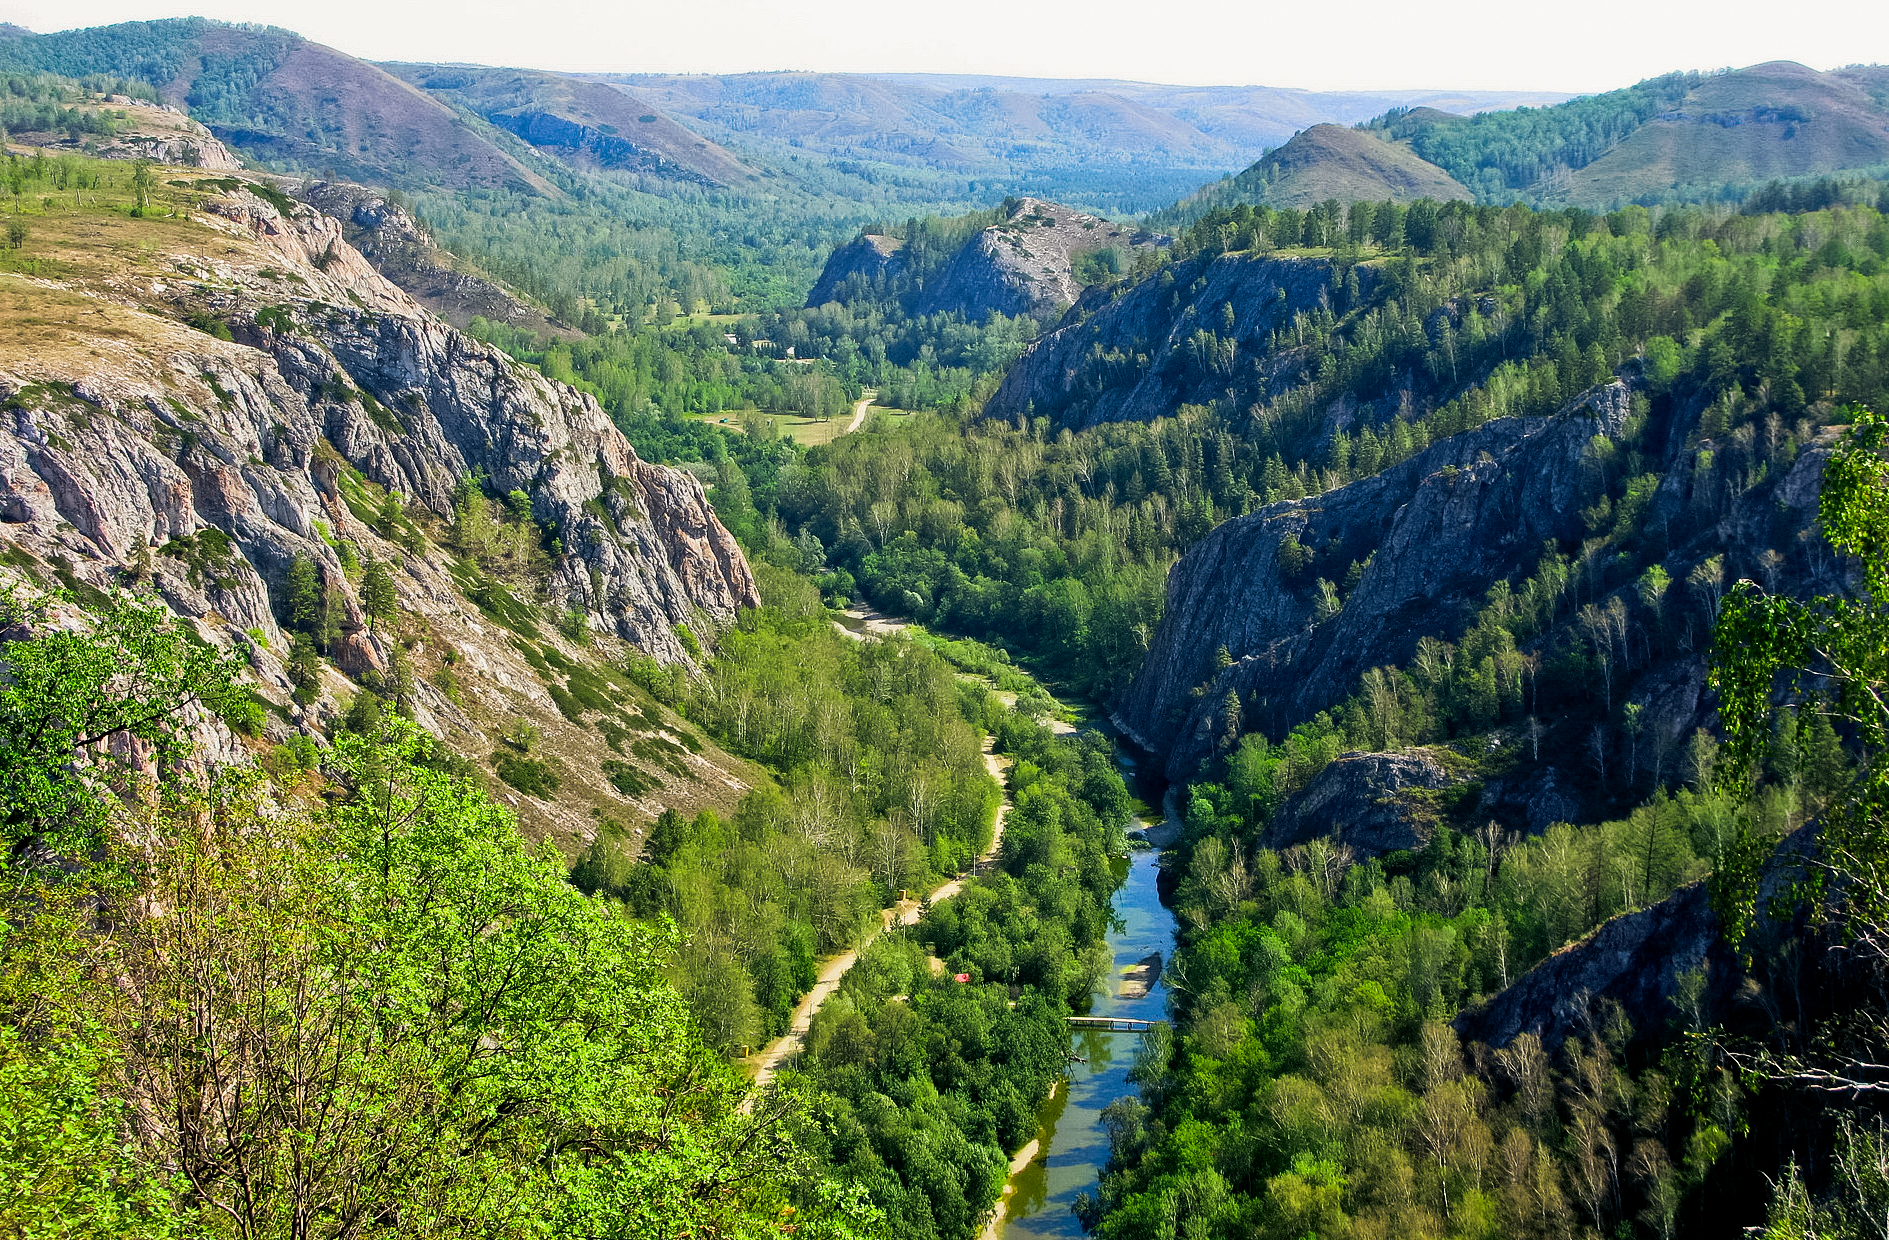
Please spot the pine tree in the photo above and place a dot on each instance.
(377, 592)
(304, 594)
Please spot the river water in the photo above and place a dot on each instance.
(1072, 1144)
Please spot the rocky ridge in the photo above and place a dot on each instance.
(1142, 352)
(1432, 535)
(140, 450)
(389, 237)
(1026, 263)
(151, 131)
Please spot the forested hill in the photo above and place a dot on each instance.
(1684, 137)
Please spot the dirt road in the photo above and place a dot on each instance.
(904, 913)
(859, 411)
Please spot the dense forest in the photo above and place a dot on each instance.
(332, 992)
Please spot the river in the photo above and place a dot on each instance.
(1072, 1146)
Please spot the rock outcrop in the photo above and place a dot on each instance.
(1433, 533)
(1641, 960)
(863, 267)
(1635, 960)
(1175, 339)
(389, 237)
(1023, 264)
(139, 448)
(1026, 264)
(1363, 802)
(144, 130)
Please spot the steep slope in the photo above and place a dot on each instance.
(1432, 536)
(1139, 354)
(1023, 263)
(1026, 264)
(389, 237)
(279, 97)
(141, 130)
(861, 268)
(316, 413)
(1775, 120)
(584, 123)
(1327, 161)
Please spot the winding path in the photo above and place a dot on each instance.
(859, 410)
(904, 913)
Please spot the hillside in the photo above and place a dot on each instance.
(1771, 121)
(1327, 161)
(1023, 263)
(1119, 146)
(1682, 137)
(582, 123)
(224, 403)
(284, 99)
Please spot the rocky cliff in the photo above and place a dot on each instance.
(389, 237)
(1184, 336)
(1026, 264)
(862, 268)
(205, 399)
(142, 131)
(1363, 802)
(1432, 536)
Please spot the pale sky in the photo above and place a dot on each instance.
(1586, 45)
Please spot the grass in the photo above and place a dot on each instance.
(802, 431)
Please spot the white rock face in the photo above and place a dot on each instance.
(136, 432)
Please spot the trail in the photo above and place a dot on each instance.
(904, 913)
(859, 410)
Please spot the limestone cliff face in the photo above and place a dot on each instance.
(1434, 532)
(137, 450)
(112, 453)
(1362, 802)
(390, 238)
(1181, 337)
(1025, 264)
(861, 268)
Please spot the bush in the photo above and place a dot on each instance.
(529, 775)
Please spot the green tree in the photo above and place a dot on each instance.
(377, 592)
(69, 695)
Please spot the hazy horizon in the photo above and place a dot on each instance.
(1373, 46)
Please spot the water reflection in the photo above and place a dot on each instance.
(1073, 1146)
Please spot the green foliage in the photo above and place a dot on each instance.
(532, 776)
(1830, 655)
(71, 697)
(414, 1016)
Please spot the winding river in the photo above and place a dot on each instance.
(1071, 1144)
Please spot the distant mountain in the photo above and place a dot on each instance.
(298, 105)
(1777, 120)
(1330, 161)
(583, 123)
(1125, 146)
(1681, 137)
(279, 97)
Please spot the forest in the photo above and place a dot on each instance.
(333, 992)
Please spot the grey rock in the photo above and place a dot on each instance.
(1360, 800)
(1136, 355)
(860, 268)
(254, 438)
(390, 238)
(1435, 531)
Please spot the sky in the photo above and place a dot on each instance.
(1313, 44)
